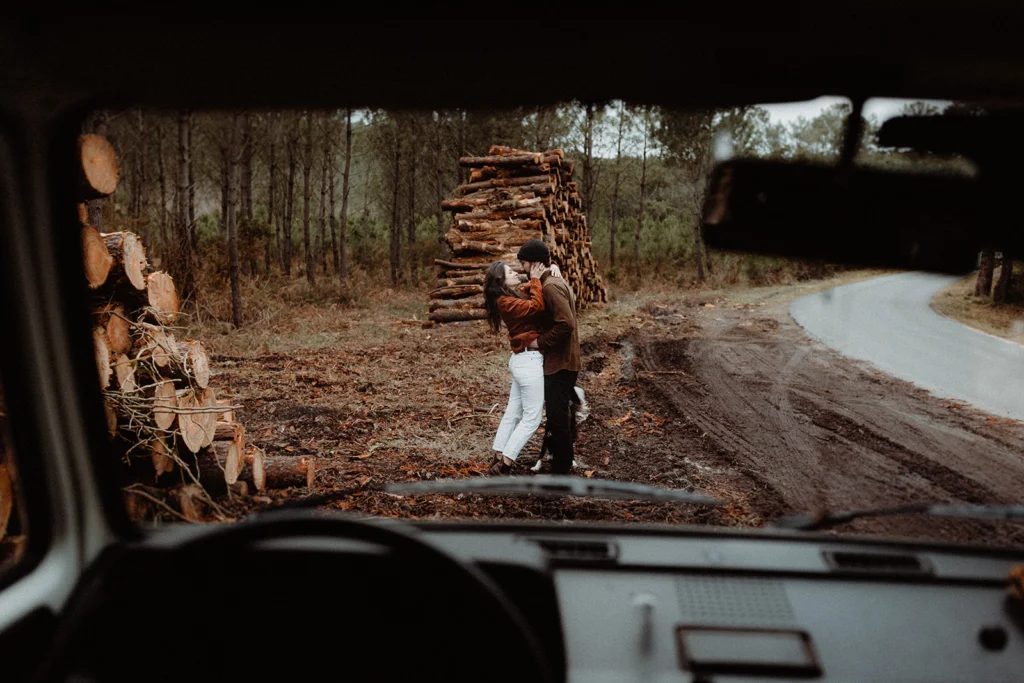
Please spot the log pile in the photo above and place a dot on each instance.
(512, 196)
(12, 537)
(162, 413)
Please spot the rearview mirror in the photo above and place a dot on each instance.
(852, 215)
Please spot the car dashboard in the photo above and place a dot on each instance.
(648, 604)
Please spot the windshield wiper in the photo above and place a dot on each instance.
(828, 520)
(554, 486)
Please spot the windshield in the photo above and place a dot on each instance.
(314, 305)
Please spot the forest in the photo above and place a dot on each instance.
(349, 199)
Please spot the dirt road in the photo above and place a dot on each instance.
(720, 394)
(788, 425)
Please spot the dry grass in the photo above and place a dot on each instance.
(959, 303)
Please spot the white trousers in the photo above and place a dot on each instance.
(525, 403)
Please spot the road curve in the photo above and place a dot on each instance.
(888, 321)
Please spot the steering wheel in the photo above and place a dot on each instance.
(470, 631)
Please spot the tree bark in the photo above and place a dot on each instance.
(410, 243)
(455, 315)
(224, 189)
(395, 231)
(983, 286)
(184, 257)
(289, 206)
(271, 216)
(332, 220)
(343, 223)
(1005, 275)
(161, 170)
(439, 184)
(236, 288)
(462, 145)
(307, 169)
(143, 167)
(616, 185)
(245, 193)
(588, 159)
(643, 198)
(321, 233)
(192, 227)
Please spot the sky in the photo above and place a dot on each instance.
(883, 108)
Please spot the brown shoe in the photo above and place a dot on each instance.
(499, 469)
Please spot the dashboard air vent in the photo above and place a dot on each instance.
(878, 563)
(578, 550)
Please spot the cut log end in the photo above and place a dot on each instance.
(98, 164)
(164, 404)
(96, 257)
(194, 364)
(162, 297)
(102, 357)
(129, 255)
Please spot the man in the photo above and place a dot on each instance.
(561, 346)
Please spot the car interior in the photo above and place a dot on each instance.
(96, 598)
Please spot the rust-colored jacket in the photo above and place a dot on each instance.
(522, 316)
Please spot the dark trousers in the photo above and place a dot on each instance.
(558, 393)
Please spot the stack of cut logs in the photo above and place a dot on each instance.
(512, 196)
(11, 536)
(161, 410)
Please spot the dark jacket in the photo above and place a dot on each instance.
(560, 341)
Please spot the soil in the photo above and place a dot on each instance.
(720, 394)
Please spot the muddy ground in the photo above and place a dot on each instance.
(718, 393)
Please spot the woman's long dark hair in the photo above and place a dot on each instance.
(494, 288)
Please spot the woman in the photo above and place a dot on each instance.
(519, 309)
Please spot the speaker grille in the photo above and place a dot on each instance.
(733, 601)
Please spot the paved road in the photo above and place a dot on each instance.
(888, 322)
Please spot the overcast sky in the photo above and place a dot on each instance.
(883, 108)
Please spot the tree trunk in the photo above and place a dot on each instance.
(307, 168)
(236, 290)
(617, 184)
(410, 241)
(395, 230)
(1005, 275)
(439, 185)
(164, 238)
(135, 205)
(462, 145)
(278, 472)
(184, 256)
(321, 232)
(271, 216)
(143, 175)
(698, 246)
(192, 227)
(333, 217)
(289, 206)
(245, 193)
(344, 194)
(643, 198)
(588, 160)
(246, 190)
(95, 206)
(983, 286)
(224, 189)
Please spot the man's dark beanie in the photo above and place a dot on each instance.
(535, 251)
